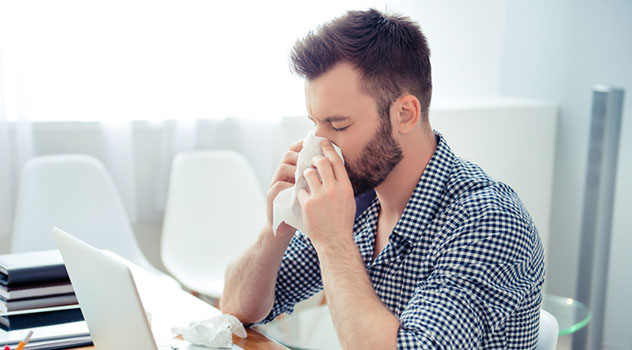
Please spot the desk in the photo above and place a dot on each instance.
(182, 308)
(254, 341)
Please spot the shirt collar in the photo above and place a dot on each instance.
(428, 195)
(422, 206)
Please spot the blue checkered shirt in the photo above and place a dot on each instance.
(463, 268)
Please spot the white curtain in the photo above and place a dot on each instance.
(157, 60)
(138, 154)
(16, 144)
(134, 82)
(5, 170)
(80, 77)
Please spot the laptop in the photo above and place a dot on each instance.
(121, 314)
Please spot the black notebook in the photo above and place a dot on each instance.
(32, 267)
(40, 317)
(24, 291)
(37, 302)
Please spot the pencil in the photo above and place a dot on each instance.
(23, 343)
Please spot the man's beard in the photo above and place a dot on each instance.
(376, 161)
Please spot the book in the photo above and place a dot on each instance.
(37, 290)
(62, 343)
(40, 317)
(37, 302)
(49, 337)
(32, 267)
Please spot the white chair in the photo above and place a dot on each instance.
(549, 330)
(75, 193)
(215, 209)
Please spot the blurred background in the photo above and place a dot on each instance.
(133, 83)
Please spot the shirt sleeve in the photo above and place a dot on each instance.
(298, 277)
(484, 272)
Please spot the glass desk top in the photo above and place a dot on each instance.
(304, 330)
(571, 314)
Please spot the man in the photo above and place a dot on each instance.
(443, 257)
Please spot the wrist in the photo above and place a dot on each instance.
(268, 239)
(341, 245)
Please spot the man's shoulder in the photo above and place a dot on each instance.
(477, 196)
(483, 212)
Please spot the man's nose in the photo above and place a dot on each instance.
(321, 131)
(328, 134)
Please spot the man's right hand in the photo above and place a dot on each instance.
(283, 178)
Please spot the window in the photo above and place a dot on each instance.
(154, 60)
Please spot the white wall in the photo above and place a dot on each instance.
(465, 39)
(558, 50)
(498, 134)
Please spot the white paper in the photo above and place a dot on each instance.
(286, 207)
(216, 332)
(69, 330)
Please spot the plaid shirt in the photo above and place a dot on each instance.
(463, 268)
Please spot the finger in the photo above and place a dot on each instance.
(275, 189)
(290, 157)
(297, 146)
(337, 164)
(302, 196)
(311, 176)
(323, 165)
(285, 172)
(280, 186)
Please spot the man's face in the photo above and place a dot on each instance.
(348, 117)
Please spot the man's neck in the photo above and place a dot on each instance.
(396, 190)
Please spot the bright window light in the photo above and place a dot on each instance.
(155, 60)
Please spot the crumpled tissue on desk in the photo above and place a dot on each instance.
(215, 332)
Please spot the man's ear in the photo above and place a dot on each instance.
(407, 113)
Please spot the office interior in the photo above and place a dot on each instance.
(135, 83)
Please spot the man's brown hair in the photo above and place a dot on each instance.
(389, 51)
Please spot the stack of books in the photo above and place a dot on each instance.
(35, 291)
(59, 336)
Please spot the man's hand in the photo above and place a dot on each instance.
(329, 207)
(283, 178)
(328, 216)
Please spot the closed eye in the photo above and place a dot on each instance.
(339, 129)
(331, 121)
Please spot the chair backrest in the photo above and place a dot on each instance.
(549, 330)
(76, 193)
(215, 208)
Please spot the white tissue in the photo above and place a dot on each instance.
(286, 207)
(216, 332)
